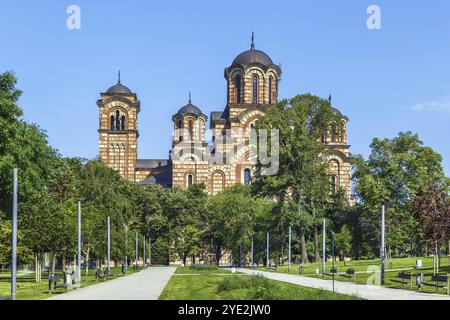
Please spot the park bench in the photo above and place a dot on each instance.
(53, 280)
(99, 275)
(404, 276)
(440, 281)
(349, 273)
(333, 272)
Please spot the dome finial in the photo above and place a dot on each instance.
(329, 98)
(118, 79)
(190, 100)
(253, 41)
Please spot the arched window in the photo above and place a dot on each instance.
(113, 123)
(201, 126)
(238, 89)
(189, 180)
(247, 177)
(117, 120)
(191, 129)
(324, 138)
(255, 89)
(270, 90)
(333, 133)
(122, 123)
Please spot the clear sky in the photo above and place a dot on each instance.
(385, 81)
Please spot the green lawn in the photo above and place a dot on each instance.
(362, 265)
(28, 289)
(195, 284)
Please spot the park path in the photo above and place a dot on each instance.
(145, 285)
(361, 291)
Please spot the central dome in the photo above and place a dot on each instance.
(253, 56)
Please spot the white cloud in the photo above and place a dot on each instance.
(437, 105)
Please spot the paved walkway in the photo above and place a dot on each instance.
(362, 291)
(145, 285)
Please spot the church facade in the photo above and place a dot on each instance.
(252, 82)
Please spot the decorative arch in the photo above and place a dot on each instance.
(217, 182)
(118, 119)
(189, 179)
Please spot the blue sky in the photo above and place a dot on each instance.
(385, 81)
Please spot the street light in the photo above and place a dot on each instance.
(14, 237)
(289, 258)
(332, 255)
(382, 249)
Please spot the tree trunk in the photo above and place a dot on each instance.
(303, 245)
(64, 262)
(184, 259)
(36, 267)
(54, 263)
(218, 254)
(87, 261)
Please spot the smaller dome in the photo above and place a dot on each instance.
(189, 109)
(119, 89)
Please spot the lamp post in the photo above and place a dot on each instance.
(143, 252)
(252, 252)
(324, 243)
(149, 251)
(126, 248)
(109, 246)
(267, 251)
(79, 243)
(382, 249)
(289, 258)
(137, 244)
(14, 237)
(332, 255)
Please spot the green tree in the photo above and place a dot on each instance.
(302, 180)
(343, 241)
(397, 171)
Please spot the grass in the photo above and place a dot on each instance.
(218, 284)
(28, 289)
(391, 281)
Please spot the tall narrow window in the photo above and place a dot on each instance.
(191, 130)
(255, 89)
(113, 122)
(122, 123)
(238, 89)
(270, 90)
(333, 133)
(117, 120)
(324, 139)
(247, 177)
(190, 180)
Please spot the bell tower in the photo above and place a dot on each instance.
(118, 129)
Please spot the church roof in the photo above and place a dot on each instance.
(189, 109)
(119, 89)
(161, 178)
(252, 56)
(151, 163)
